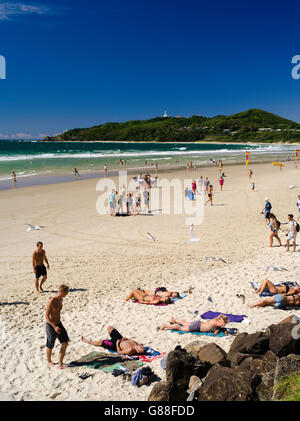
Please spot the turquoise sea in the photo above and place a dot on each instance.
(35, 160)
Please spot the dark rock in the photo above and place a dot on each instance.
(286, 366)
(180, 367)
(242, 360)
(283, 339)
(159, 392)
(201, 368)
(264, 364)
(212, 354)
(227, 384)
(256, 343)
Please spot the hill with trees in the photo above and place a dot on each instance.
(248, 126)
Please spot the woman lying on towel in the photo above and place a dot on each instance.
(213, 325)
(285, 289)
(147, 297)
(279, 301)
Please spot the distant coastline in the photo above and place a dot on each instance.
(254, 126)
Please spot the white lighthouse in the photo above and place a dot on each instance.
(165, 114)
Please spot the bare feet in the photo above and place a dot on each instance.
(51, 364)
(62, 367)
(86, 341)
(173, 320)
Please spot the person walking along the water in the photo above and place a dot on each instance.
(14, 177)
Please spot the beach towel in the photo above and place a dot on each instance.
(231, 317)
(105, 362)
(267, 293)
(150, 355)
(218, 335)
(181, 296)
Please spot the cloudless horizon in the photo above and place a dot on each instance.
(81, 63)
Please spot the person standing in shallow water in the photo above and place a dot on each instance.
(54, 327)
(14, 177)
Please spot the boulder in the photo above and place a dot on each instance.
(264, 364)
(284, 339)
(255, 343)
(265, 389)
(194, 347)
(286, 366)
(241, 360)
(226, 384)
(180, 367)
(212, 354)
(159, 392)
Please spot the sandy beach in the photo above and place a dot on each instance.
(103, 258)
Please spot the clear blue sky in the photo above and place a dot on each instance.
(81, 63)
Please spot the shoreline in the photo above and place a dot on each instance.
(59, 178)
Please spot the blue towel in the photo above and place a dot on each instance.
(220, 334)
(180, 297)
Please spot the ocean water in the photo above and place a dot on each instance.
(33, 159)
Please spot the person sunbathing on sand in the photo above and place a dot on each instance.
(285, 289)
(163, 293)
(147, 297)
(118, 343)
(213, 325)
(279, 301)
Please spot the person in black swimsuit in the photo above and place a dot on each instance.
(285, 289)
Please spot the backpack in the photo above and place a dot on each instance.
(297, 227)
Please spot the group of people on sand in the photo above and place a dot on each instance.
(281, 297)
(275, 225)
(132, 202)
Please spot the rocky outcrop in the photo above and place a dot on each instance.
(250, 371)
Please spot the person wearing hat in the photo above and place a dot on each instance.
(267, 209)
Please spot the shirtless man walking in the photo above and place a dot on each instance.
(54, 327)
(118, 343)
(38, 259)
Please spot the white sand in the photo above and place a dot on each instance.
(103, 258)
